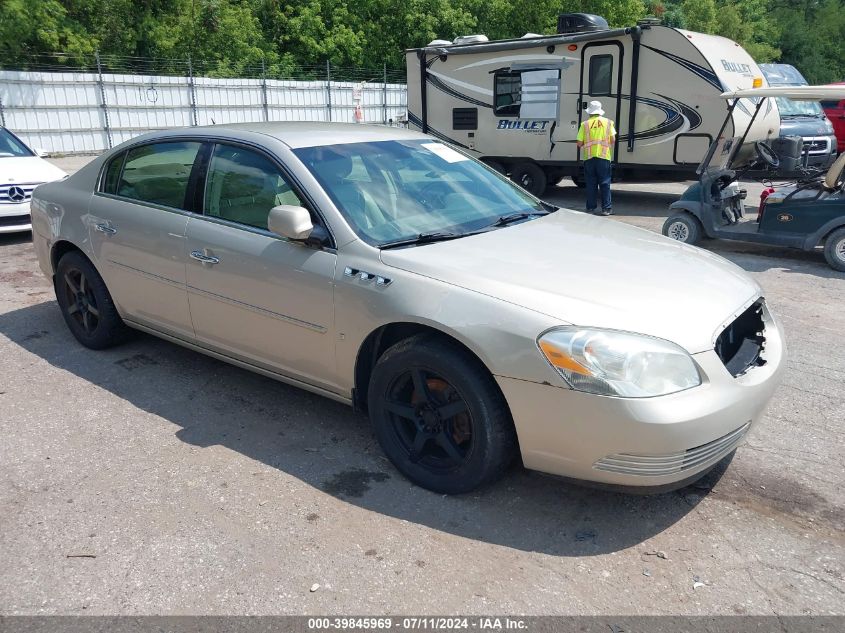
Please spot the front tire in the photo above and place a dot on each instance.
(439, 416)
(683, 227)
(86, 304)
(834, 249)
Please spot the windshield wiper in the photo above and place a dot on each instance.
(515, 217)
(422, 238)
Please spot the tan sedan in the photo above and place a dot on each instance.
(387, 270)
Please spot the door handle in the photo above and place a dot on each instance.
(105, 228)
(205, 259)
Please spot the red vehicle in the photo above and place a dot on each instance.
(835, 111)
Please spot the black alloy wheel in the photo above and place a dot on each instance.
(85, 302)
(439, 415)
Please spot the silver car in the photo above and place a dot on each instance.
(389, 271)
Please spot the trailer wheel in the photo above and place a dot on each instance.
(834, 249)
(530, 176)
(553, 176)
(578, 181)
(496, 165)
(683, 227)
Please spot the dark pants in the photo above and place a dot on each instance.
(597, 174)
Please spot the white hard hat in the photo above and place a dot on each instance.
(594, 107)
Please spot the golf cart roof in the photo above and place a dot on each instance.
(799, 93)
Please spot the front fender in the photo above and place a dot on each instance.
(690, 206)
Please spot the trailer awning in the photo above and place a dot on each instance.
(798, 93)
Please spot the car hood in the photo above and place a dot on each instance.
(28, 170)
(592, 271)
(805, 126)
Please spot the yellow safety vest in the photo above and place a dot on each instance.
(596, 134)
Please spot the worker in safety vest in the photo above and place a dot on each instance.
(596, 137)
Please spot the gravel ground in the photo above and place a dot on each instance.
(149, 479)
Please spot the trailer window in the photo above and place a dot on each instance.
(508, 88)
(601, 73)
(527, 94)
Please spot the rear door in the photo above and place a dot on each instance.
(254, 295)
(601, 70)
(137, 221)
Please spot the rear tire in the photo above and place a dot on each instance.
(579, 181)
(834, 249)
(683, 227)
(531, 177)
(439, 415)
(86, 304)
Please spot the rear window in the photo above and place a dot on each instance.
(158, 173)
(112, 175)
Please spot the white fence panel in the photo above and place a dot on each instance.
(65, 112)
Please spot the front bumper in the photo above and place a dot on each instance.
(645, 442)
(821, 151)
(15, 218)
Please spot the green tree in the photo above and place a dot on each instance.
(699, 15)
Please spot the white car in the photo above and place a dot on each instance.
(21, 171)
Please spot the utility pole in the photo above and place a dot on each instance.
(103, 103)
(329, 89)
(264, 91)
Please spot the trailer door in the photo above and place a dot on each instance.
(601, 80)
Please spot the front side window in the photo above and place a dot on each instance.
(601, 75)
(527, 94)
(242, 186)
(158, 173)
(11, 147)
(395, 190)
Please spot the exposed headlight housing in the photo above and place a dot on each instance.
(611, 363)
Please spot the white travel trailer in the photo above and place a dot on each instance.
(518, 104)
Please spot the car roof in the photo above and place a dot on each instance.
(297, 134)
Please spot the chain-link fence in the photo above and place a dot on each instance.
(93, 104)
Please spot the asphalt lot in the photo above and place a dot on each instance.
(149, 479)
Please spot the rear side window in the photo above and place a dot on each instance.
(601, 73)
(242, 186)
(158, 173)
(112, 175)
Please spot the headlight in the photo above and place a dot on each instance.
(611, 363)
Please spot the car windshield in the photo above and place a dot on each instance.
(788, 107)
(390, 191)
(11, 147)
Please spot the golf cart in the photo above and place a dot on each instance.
(806, 212)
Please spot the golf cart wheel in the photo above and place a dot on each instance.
(530, 176)
(834, 249)
(683, 227)
(439, 415)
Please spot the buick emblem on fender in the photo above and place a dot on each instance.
(16, 194)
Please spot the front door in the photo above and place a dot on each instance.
(254, 295)
(600, 81)
(137, 221)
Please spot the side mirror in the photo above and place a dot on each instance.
(290, 221)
